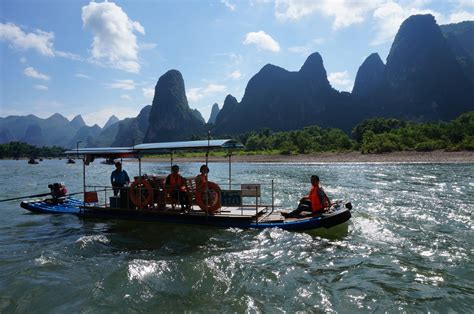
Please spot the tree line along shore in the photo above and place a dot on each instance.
(372, 136)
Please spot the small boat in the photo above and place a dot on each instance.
(70, 161)
(32, 161)
(148, 198)
(108, 161)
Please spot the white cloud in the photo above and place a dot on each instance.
(341, 80)
(387, 14)
(465, 3)
(294, 9)
(214, 88)
(196, 94)
(68, 55)
(84, 76)
(390, 16)
(344, 12)
(115, 43)
(147, 46)
(262, 40)
(308, 48)
(31, 72)
(228, 4)
(235, 58)
(126, 97)
(148, 92)
(39, 40)
(41, 87)
(460, 16)
(101, 116)
(122, 84)
(235, 74)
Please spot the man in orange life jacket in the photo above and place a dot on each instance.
(316, 202)
(176, 185)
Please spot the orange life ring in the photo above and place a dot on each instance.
(146, 192)
(215, 200)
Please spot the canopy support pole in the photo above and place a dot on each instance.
(208, 144)
(141, 181)
(207, 160)
(83, 172)
(230, 170)
(84, 178)
(139, 166)
(171, 165)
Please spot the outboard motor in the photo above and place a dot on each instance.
(58, 190)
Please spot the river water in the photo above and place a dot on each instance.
(408, 247)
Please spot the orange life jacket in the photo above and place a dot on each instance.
(316, 203)
(175, 181)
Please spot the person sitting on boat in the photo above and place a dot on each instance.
(201, 179)
(58, 192)
(119, 178)
(176, 186)
(316, 202)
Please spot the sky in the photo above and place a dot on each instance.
(103, 58)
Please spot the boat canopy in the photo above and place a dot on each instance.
(107, 152)
(156, 148)
(168, 147)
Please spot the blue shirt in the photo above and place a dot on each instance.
(119, 178)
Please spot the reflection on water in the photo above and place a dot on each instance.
(408, 246)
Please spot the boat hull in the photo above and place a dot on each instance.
(72, 206)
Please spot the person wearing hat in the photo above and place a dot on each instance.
(176, 186)
(316, 202)
(119, 178)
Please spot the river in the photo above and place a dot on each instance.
(408, 247)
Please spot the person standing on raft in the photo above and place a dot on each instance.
(316, 202)
(119, 178)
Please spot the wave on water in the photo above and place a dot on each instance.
(90, 239)
(46, 260)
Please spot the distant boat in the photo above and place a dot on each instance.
(32, 161)
(41, 159)
(108, 161)
(70, 161)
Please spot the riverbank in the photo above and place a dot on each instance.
(332, 157)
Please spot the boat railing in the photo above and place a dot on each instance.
(260, 196)
(155, 195)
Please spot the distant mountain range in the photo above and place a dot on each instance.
(55, 130)
(428, 76)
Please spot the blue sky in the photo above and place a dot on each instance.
(102, 58)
